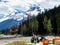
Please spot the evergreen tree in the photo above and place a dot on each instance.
(58, 22)
(49, 26)
(34, 24)
(24, 29)
(45, 22)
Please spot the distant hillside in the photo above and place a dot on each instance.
(8, 24)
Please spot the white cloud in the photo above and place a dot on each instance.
(9, 7)
(3, 7)
(54, 3)
(49, 3)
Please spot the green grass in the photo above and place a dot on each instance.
(13, 44)
(20, 43)
(29, 44)
(9, 44)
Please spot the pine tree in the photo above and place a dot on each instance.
(49, 26)
(24, 29)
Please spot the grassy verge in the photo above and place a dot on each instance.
(10, 44)
(20, 43)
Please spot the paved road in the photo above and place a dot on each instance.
(4, 41)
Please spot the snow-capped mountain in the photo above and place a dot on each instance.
(12, 15)
(12, 12)
(8, 23)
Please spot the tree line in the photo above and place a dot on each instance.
(47, 22)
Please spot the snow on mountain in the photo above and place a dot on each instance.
(18, 10)
(2, 19)
(20, 16)
(10, 8)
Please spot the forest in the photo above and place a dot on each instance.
(45, 23)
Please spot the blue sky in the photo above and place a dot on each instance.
(8, 7)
